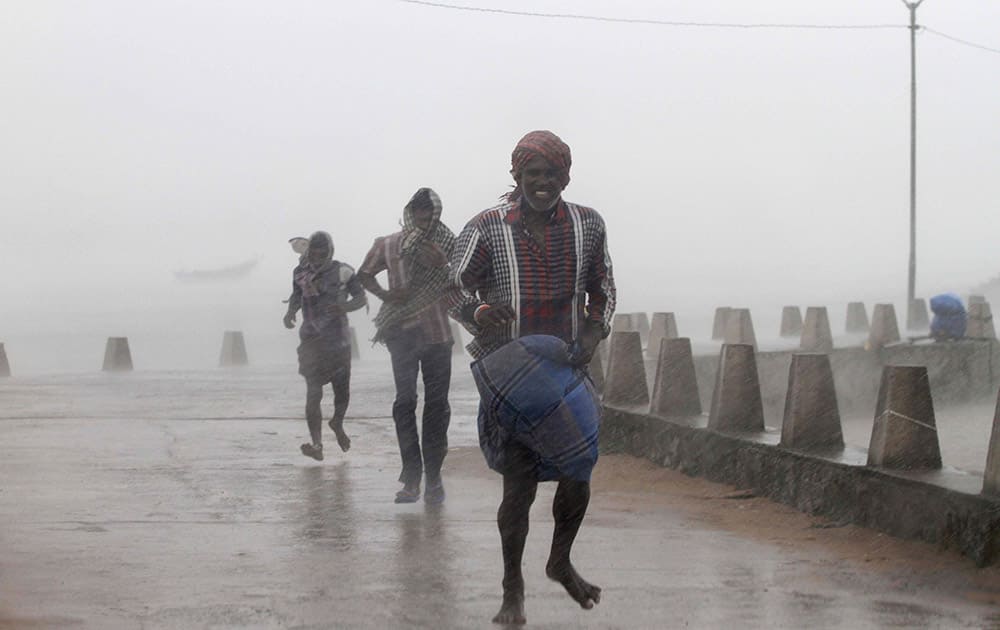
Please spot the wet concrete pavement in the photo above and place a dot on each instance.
(179, 500)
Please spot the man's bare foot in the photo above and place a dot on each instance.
(511, 611)
(343, 441)
(585, 593)
(313, 450)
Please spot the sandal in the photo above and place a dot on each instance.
(434, 494)
(409, 494)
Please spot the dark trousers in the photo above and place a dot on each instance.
(410, 356)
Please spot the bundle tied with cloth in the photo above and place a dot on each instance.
(426, 283)
(533, 396)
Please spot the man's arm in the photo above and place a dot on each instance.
(357, 292)
(370, 283)
(601, 297)
(294, 303)
(470, 266)
(601, 291)
(374, 264)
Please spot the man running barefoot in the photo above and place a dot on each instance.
(325, 290)
(536, 265)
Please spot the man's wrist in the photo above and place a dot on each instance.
(466, 313)
(479, 309)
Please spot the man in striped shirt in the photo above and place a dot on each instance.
(535, 264)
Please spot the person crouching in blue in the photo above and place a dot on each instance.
(950, 319)
(325, 290)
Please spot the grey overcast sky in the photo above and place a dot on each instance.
(139, 138)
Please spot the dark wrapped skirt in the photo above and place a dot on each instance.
(323, 358)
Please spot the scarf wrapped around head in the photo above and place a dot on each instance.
(413, 235)
(426, 284)
(308, 272)
(543, 144)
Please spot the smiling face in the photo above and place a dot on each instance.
(541, 184)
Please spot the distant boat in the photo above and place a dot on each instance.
(231, 272)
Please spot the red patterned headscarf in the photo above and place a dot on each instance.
(543, 144)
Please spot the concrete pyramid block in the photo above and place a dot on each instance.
(117, 356)
(916, 315)
(4, 363)
(622, 322)
(857, 318)
(719, 322)
(458, 347)
(625, 381)
(904, 435)
(640, 322)
(991, 476)
(355, 350)
(675, 389)
(884, 329)
(664, 326)
(234, 349)
(980, 322)
(812, 417)
(791, 322)
(739, 327)
(736, 400)
(816, 334)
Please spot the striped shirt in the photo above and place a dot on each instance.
(386, 255)
(554, 290)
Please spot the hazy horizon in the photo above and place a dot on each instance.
(742, 167)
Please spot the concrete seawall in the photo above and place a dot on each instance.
(942, 507)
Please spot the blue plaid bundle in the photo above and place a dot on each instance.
(529, 393)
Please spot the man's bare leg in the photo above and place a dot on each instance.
(337, 424)
(314, 419)
(568, 509)
(342, 397)
(512, 519)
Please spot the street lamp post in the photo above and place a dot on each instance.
(912, 277)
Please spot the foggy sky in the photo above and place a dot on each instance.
(737, 167)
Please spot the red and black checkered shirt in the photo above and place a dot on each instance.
(554, 290)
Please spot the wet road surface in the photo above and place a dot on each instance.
(179, 500)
